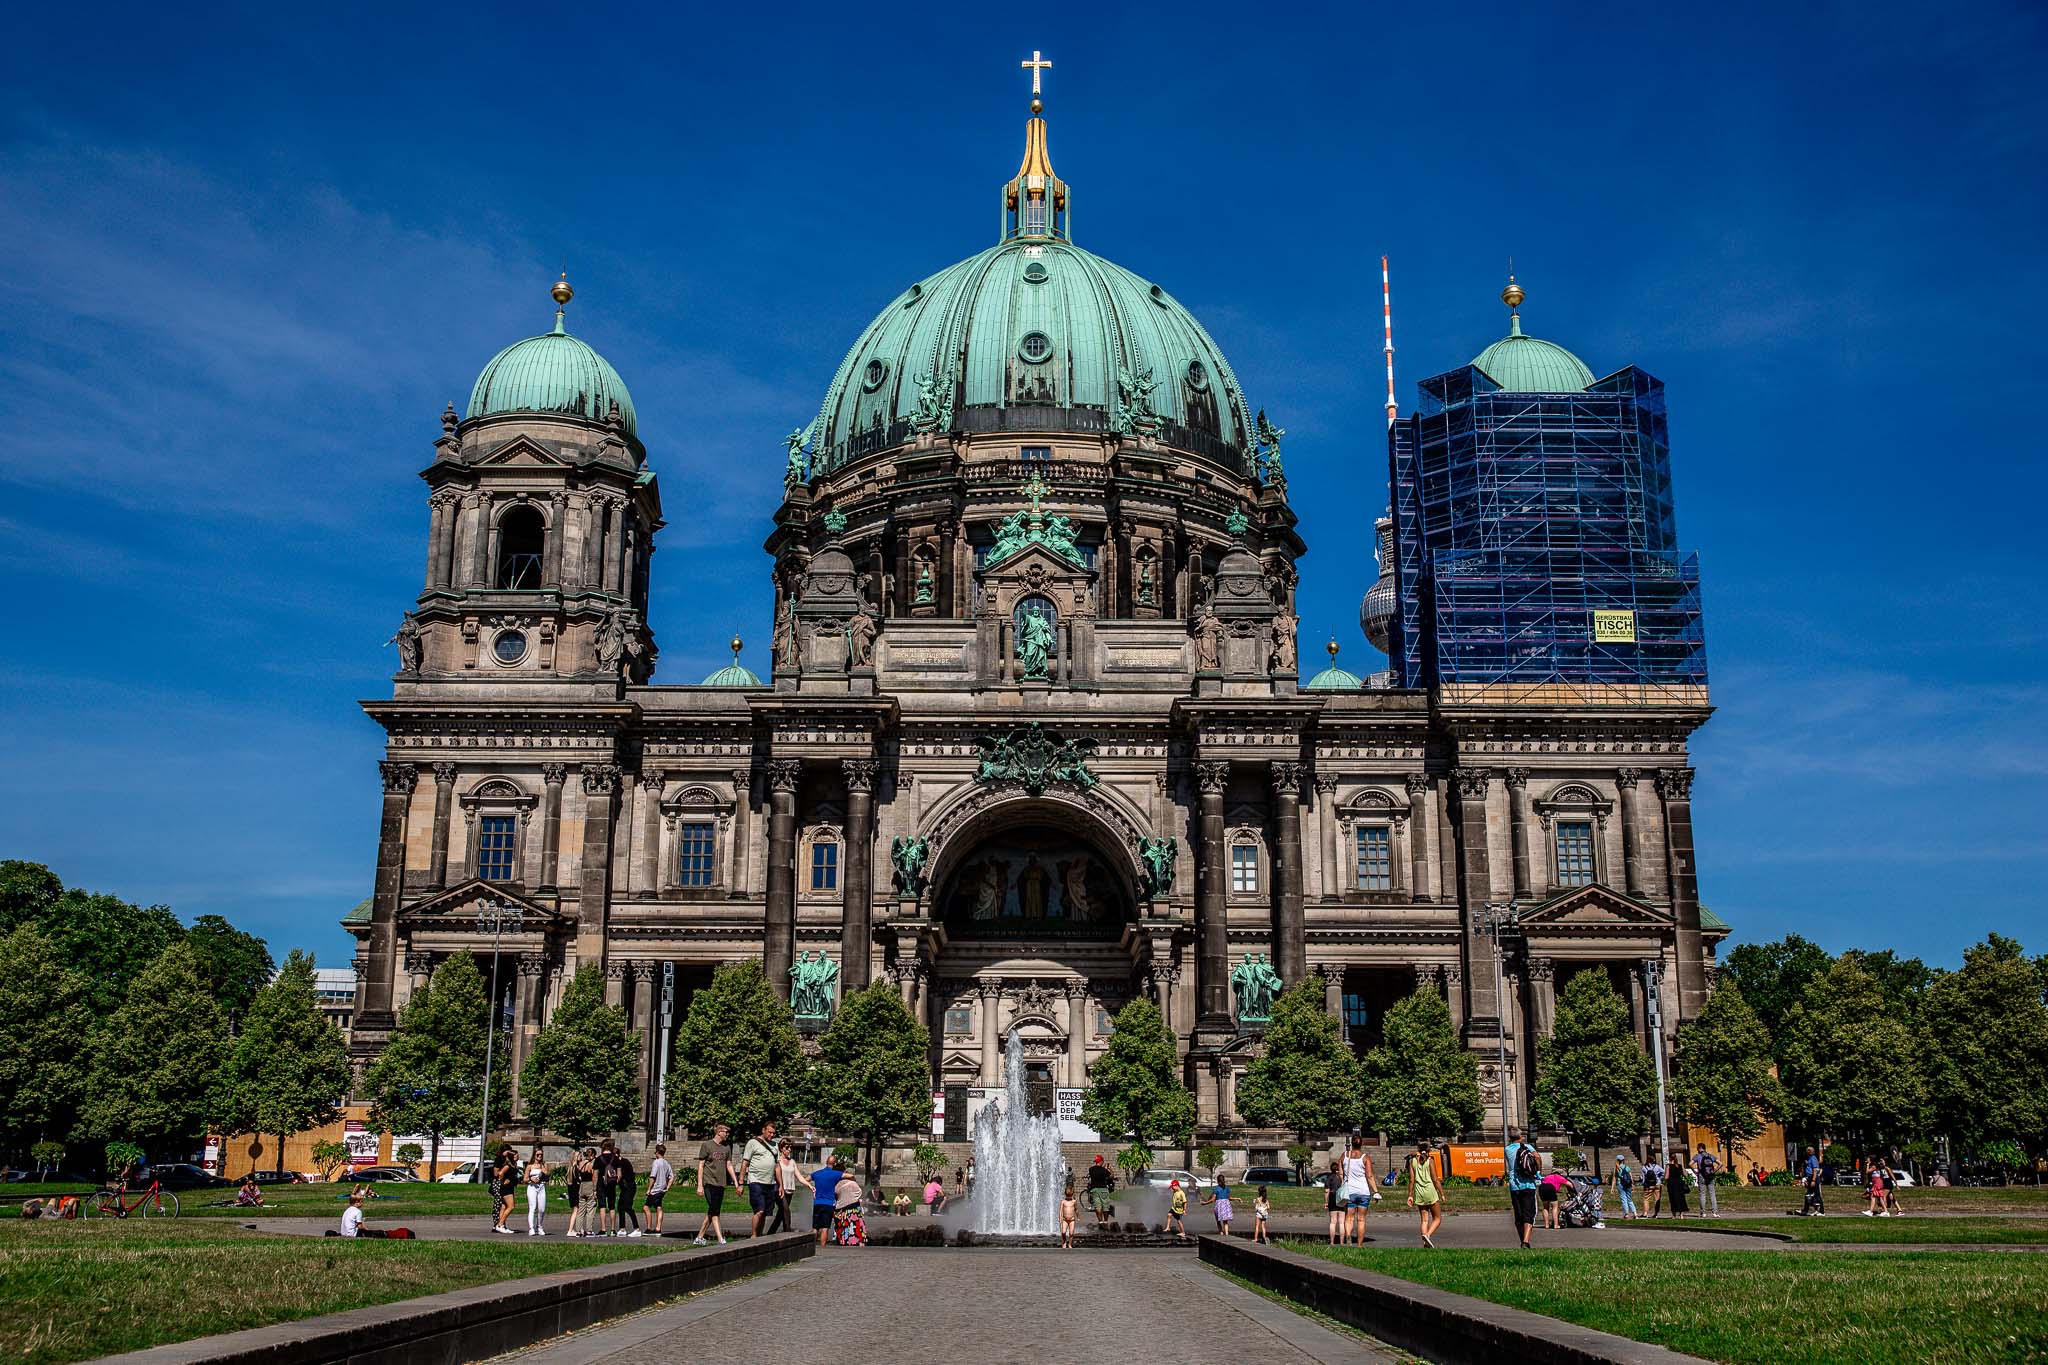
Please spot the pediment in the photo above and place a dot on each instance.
(1036, 563)
(522, 450)
(960, 1061)
(1594, 907)
(471, 898)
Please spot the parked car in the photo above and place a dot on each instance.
(182, 1175)
(277, 1177)
(461, 1175)
(1162, 1179)
(390, 1173)
(1270, 1175)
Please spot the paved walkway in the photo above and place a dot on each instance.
(987, 1306)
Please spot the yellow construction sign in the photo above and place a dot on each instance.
(1614, 627)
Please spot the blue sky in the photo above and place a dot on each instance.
(250, 255)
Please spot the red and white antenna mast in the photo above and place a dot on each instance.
(1387, 305)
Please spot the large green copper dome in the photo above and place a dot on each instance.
(1524, 364)
(551, 373)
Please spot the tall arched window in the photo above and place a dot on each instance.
(522, 536)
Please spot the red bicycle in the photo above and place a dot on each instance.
(153, 1200)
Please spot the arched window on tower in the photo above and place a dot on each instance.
(522, 536)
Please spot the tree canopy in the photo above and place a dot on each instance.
(1723, 1078)
(288, 1069)
(873, 1076)
(579, 1081)
(156, 1058)
(1308, 1080)
(45, 1023)
(430, 1078)
(1420, 1082)
(1135, 1085)
(738, 1059)
(1593, 1078)
(237, 964)
(1773, 974)
(1988, 1066)
(1849, 1065)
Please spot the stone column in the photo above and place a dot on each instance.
(1625, 781)
(615, 987)
(1483, 1007)
(1418, 833)
(525, 1017)
(1212, 932)
(1069, 1018)
(1332, 977)
(557, 533)
(444, 803)
(1446, 843)
(644, 976)
(1326, 828)
(991, 993)
(647, 848)
(437, 522)
(779, 935)
(857, 884)
(1290, 935)
(1164, 977)
(1454, 994)
(379, 966)
(736, 882)
(1675, 786)
(600, 793)
(611, 518)
(1542, 998)
(1518, 827)
(552, 775)
(476, 510)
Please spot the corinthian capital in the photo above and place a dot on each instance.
(860, 774)
(1211, 778)
(554, 774)
(399, 777)
(601, 779)
(1472, 782)
(444, 774)
(783, 774)
(1287, 778)
(1517, 779)
(1626, 778)
(1417, 784)
(1674, 784)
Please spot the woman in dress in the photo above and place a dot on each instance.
(1220, 1197)
(1674, 1176)
(1423, 1195)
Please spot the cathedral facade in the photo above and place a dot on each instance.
(1036, 737)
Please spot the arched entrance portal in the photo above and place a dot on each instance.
(1034, 881)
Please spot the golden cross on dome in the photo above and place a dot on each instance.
(1037, 487)
(1034, 66)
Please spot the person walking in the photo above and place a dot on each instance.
(1219, 1195)
(572, 1191)
(1423, 1195)
(1675, 1183)
(504, 1184)
(1177, 1210)
(715, 1175)
(1262, 1209)
(1653, 1187)
(1525, 1168)
(607, 1188)
(1875, 1191)
(1100, 1184)
(1333, 1200)
(823, 1183)
(1070, 1214)
(1548, 1191)
(1357, 1191)
(757, 1162)
(1707, 1165)
(849, 1229)
(788, 1175)
(1625, 1187)
(1891, 1188)
(536, 1194)
(660, 1175)
(628, 1187)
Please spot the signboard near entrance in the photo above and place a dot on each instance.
(361, 1143)
(1475, 1163)
(1067, 1105)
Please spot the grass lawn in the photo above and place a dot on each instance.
(395, 1200)
(1771, 1201)
(1974, 1231)
(77, 1290)
(1756, 1307)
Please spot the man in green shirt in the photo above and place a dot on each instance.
(714, 1174)
(758, 1161)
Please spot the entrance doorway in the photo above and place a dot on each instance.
(1038, 1088)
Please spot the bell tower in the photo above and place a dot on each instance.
(541, 533)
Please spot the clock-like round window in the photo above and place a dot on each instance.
(876, 372)
(1198, 376)
(1035, 272)
(1035, 348)
(510, 646)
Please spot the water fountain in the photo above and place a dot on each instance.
(1019, 1168)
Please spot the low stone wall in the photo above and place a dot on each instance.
(471, 1324)
(1434, 1324)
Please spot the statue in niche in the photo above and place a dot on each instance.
(1256, 984)
(785, 638)
(1148, 587)
(1074, 889)
(1158, 855)
(1035, 645)
(927, 586)
(811, 979)
(1208, 640)
(988, 897)
(860, 640)
(1284, 656)
(909, 854)
(1031, 888)
(611, 640)
(407, 638)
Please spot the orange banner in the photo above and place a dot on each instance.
(1477, 1162)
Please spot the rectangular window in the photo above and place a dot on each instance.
(1105, 1022)
(693, 853)
(1244, 867)
(1356, 1015)
(1035, 453)
(1375, 858)
(824, 866)
(1574, 853)
(495, 834)
(960, 1019)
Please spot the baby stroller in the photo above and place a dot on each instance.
(1582, 1205)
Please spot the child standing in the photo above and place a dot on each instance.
(1262, 1209)
(1070, 1213)
(1220, 1197)
(1177, 1211)
(1333, 1200)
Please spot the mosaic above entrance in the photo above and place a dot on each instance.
(1034, 883)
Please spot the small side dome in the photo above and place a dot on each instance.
(734, 674)
(552, 373)
(1524, 364)
(1333, 678)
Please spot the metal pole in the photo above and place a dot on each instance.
(1501, 918)
(1653, 976)
(499, 913)
(668, 1014)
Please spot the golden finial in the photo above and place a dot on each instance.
(562, 292)
(1512, 296)
(1035, 66)
(735, 645)
(1333, 651)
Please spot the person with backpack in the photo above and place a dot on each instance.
(1625, 1188)
(1653, 1187)
(1525, 1172)
(1705, 1163)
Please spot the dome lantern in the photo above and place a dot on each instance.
(1035, 199)
(553, 373)
(1520, 363)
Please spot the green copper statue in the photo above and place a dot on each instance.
(811, 985)
(909, 854)
(1256, 983)
(1158, 856)
(1035, 645)
(799, 463)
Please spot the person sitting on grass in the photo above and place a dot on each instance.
(249, 1196)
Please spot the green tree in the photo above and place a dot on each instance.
(44, 1024)
(1772, 976)
(873, 1077)
(1307, 1080)
(1135, 1087)
(156, 1059)
(1848, 1065)
(408, 1155)
(328, 1154)
(1134, 1161)
(1723, 1079)
(288, 1069)
(930, 1160)
(430, 1078)
(238, 965)
(1903, 981)
(27, 890)
(48, 1156)
(1592, 1077)
(1209, 1158)
(738, 1059)
(108, 941)
(1420, 1083)
(578, 1082)
(1988, 1066)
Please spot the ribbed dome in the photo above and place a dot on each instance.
(552, 373)
(1333, 679)
(1035, 324)
(734, 674)
(1524, 364)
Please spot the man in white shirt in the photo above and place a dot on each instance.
(352, 1217)
(660, 1175)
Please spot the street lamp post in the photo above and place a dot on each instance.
(668, 1014)
(1501, 918)
(499, 915)
(1653, 978)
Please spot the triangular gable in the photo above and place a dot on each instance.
(471, 897)
(522, 450)
(1020, 562)
(960, 1061)
(1594, 907)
